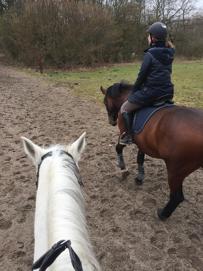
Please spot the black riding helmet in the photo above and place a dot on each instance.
(158, 30)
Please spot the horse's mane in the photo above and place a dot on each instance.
(116, 89)
(65, 207)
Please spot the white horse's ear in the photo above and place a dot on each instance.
(33, 151)
(77, 147)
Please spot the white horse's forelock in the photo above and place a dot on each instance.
(60, 212)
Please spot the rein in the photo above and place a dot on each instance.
(48, 154)
(50, 256)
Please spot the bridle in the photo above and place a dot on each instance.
(48, 154)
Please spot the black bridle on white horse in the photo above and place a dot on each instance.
(48, 154)
(50, 256)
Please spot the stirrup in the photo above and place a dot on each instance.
(125, 139)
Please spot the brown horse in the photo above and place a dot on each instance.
(174, 134)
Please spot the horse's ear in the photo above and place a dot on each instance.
(103, 90)
(77, 147)
(33, 151)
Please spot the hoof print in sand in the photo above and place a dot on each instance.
(5, 224)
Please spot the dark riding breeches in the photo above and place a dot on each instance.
(129, 107)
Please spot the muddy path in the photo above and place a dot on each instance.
(125, 231)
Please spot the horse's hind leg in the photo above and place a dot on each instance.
(175, 199)
(120, 159)
(177, 172)
(140, 161)
(176, 175)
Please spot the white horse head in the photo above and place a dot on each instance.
(35, 152)
(60, 212)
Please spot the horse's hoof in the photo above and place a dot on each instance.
(120, 165)
(161, 215)
(139, 181)
(125, 174)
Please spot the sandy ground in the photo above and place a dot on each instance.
(125, 231)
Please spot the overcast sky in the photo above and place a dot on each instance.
(199, 3)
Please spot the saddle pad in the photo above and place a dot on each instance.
(143, 115)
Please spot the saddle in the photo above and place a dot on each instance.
(142, 116)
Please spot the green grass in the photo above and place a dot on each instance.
(188, 81)
(187, 78)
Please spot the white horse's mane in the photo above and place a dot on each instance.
(60, 211)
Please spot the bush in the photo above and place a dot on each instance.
(66, 33)
(61, 33)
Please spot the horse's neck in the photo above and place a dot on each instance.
(60, 215)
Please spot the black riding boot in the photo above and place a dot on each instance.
(126, 138)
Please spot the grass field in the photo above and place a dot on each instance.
(187, 78)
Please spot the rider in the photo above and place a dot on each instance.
(153, 83)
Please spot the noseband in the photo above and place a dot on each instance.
(48, 154)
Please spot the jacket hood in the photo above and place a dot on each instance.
(164, 55)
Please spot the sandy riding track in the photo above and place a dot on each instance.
(125, 231)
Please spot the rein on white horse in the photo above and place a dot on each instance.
(50, 256)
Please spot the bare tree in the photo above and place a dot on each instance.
(169, 10)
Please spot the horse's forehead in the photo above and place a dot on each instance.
(109, 102)
(113, 90)
(55, 149)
